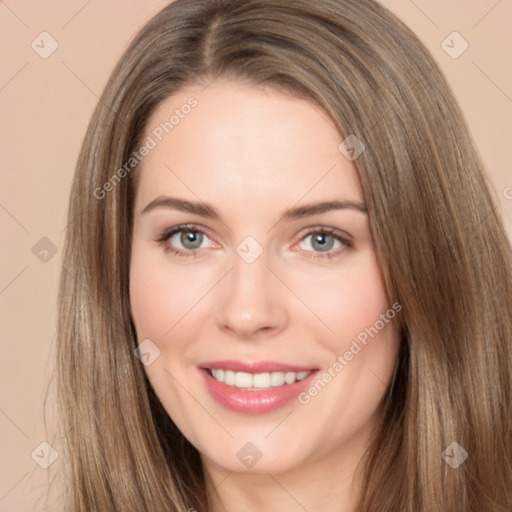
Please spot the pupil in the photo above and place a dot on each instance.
(321, 239)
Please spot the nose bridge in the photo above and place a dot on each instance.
(251, 301)
(248, 278)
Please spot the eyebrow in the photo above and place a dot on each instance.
(208, 211)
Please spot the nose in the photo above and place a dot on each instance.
(251, 303)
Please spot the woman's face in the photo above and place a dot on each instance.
(271, 281)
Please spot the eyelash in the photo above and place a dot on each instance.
(166, 234)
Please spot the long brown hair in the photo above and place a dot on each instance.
(440, 242)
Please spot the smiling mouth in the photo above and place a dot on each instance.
(255, 387)
(256, 381)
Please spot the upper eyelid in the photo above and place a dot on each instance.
(168, 232)
(325, 229)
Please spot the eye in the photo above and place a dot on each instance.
(185, 240)
(325, 243)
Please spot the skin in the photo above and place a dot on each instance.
(253, 153)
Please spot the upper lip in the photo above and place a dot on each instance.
(254, 366)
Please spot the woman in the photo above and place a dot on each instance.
(285, 282)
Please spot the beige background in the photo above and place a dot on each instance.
(45, 105)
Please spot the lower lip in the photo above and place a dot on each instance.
(254, 402)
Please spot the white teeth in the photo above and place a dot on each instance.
(261, 380)
(229, 378)
(243, 380)
(289, 377)
(276, 378)
(257, 380)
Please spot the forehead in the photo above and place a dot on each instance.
(231, 143)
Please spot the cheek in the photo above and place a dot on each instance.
(363, 348)
(348, 299)
(159, 297)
